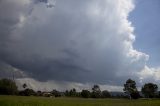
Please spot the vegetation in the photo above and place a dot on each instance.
(72, 93)
(56, 93)
(24, 85)
(106, 94)
(96, 92)
(131, 89)
(43, 101)
(149, 90)
(85, 93)
(8, 87)
(27, 92)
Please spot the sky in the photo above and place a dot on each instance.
(59, 44)
(146, 17)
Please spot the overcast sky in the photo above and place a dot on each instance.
(66, 44)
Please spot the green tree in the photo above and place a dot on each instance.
(149, 90)
(56, 93)
(131, 89)
(67, 93)
(24, 85)
(105, 94)
(73, 92)
(85, 94)
(8, 87)
(27, 92)
(96, 91)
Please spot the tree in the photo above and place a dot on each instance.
(96, 91)
(73, 92)
(24, 85)
(131, 89)
(39, 93)
(27, 92)
(106, 94)
(8, 87)
(67, 93)
(56, 93)
(149, 90)
(135, 95)
(85, 93)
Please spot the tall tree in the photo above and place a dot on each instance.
(131, 89)
(8, 87)
(96, 91)
(106, 94)
(56, 93)
(73, 92)
(85, 93)
(149, 90)
(24, 85)
(27, 92)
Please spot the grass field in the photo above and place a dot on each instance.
(44, 101)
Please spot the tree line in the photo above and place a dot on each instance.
(148, 90)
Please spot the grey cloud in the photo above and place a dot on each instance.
(8, 71)
(81, 41)
(61, 85)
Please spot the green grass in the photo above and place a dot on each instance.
(44, 101)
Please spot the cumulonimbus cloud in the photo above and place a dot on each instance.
(78, 41)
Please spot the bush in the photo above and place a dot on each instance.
(56, 93)
(96, 92)
(27, 92)
(85, 94)
(8, 87)
(135, 95)
(106, 94)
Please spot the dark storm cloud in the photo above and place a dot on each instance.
(8, 71)
(56, 69)
(79, 41)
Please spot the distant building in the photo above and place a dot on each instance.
(47, 94)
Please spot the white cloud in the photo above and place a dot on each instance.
(149, 75)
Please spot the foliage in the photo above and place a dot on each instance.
(149, 90)
(131, 89)
(56, 93)
(8, 87)
(85, 93)
(24, 85)
(66, 93)
(106, 94)
(71, 93)
(135, 95)
(39, 93)
(96, 91)
(27, 92)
